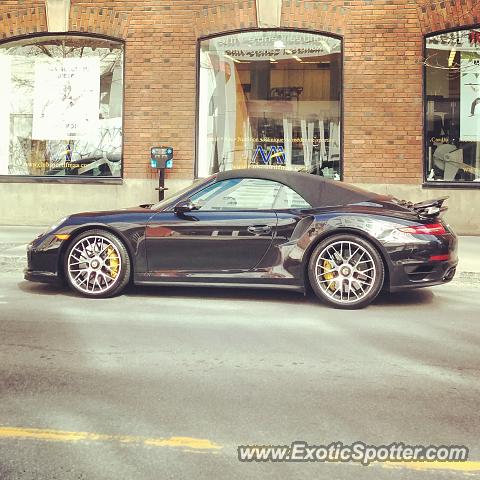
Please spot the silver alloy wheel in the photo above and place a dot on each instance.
(94, 264)
(345, 271)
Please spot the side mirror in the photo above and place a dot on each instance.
(184, 207)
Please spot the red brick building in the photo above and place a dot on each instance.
(369, 92)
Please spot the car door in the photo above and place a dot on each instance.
(291, 208)
(230, 231)
(293, 218)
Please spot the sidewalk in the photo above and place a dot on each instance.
(13, 241)
(468, 258)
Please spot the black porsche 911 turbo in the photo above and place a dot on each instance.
(255, 228)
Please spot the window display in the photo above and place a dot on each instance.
(270, 99)
(62, 106)
(452, 106)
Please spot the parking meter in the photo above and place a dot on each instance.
(161, 158)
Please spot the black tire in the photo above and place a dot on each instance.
(80, 274)
(343, 280)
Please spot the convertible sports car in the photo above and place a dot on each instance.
(255, 228)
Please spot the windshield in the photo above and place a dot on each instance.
(173, 198)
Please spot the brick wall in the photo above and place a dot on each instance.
(20, 18)
(159, 78)
(383, 94)
(383, 84)
(382, 69)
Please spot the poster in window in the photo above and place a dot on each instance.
(470, 97)
(66, 98)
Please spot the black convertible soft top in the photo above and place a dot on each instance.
(316, 190)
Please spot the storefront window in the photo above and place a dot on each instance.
(61, 109)
(270, 99)
(452, 107)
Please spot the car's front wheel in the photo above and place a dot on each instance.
(346, 271)
(97, 264)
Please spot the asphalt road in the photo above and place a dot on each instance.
(203, 371)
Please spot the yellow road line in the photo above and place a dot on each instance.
(63, 436)
(468, 466)
(198, 445)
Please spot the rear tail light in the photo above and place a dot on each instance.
(430, 229)
(439, 258)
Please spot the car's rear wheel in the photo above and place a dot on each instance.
(346, 271)
(97, 264)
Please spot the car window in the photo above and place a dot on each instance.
(238, 194)
(288, 198)
(248, 194)
(212, 196)
(172, 199)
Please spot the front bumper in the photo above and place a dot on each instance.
(42, 277)
(43, 260)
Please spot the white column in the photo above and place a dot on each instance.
(307, 142)
(323, 149)
(287, 136)
(269, 13)
(58, 13)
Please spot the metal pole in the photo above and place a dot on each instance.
(161, 184)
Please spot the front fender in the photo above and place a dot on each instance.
(131, 233)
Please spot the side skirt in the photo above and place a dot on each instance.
(221, 285)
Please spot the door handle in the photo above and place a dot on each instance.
(259, 229)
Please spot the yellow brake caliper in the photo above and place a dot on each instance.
(113, 261)
(328, 273)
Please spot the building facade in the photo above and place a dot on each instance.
(380, 93)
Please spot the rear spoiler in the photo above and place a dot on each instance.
(430, 208)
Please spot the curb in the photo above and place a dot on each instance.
(12, 264)
(467, 277)
(13, 260)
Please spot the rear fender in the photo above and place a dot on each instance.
(372, 230)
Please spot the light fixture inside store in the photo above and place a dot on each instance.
(326, 46)
(451, 58)
(297, 58)
(231, 58)
(272, 60)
